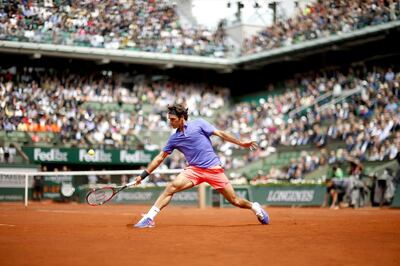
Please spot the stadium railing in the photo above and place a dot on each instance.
(182, 60)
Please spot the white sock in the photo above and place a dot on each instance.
(153, 212)
(256, 208)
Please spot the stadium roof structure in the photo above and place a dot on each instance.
(253, 61)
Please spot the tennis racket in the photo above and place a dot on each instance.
(99, 196)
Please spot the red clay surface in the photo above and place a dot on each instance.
(72, 234)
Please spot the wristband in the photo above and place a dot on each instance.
(144, 174)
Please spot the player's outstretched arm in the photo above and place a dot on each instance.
(252, 145)
(152, 166)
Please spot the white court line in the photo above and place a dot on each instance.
(7, 225)
(85, 212)
(60, 211)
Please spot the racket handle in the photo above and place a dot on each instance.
(130, 184)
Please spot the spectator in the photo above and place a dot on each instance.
(124, 180)
(92, 179)
(6, 154)
(384, 188)
(336, 187)
(331, 191)
(38, 186)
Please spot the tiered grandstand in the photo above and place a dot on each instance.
(316, 90)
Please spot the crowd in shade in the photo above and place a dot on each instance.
(38, 100)
(320, 19)
(149, 26)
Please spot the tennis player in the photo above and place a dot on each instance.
(192, 138)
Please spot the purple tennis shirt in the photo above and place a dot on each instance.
(195, 144)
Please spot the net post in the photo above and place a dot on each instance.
(26, 190)
(202, 196)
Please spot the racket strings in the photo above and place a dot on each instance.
(100, 196)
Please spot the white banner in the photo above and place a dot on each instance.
(13, 180)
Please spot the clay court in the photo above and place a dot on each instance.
(57, 234)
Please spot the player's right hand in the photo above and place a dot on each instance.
(138, 180)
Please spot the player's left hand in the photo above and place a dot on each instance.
(252, 145)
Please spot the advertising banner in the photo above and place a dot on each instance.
(12, 185)
(289, 195)
(146, 196)
(81, 156)
(396, 198)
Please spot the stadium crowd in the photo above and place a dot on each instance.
(149, 26)
(357, 110)
(321, 19)
(37, 100)
(155, 26)
(367, 122)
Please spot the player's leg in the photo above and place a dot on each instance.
(229, 194)
(334, 195)
(218, 180)
(180, 183)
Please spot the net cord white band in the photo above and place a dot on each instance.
(105, 172)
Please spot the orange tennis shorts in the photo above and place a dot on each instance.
(214, 176)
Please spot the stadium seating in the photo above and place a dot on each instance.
(90, 104)
(322, 19)
(102, 108)
(155, 26)
(149, 26)
(338, 125)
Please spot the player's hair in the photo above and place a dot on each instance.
(179, 110)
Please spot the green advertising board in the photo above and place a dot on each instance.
(147, 195)
(275, 195)
(396, 198)
(52, 186)
(265, 195)
(14, 194)
(271, 196)
(80, 156)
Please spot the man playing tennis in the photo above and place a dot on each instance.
(193, 140)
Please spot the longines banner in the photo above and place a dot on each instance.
(80, 156)
(278, 195)
(289, 195)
